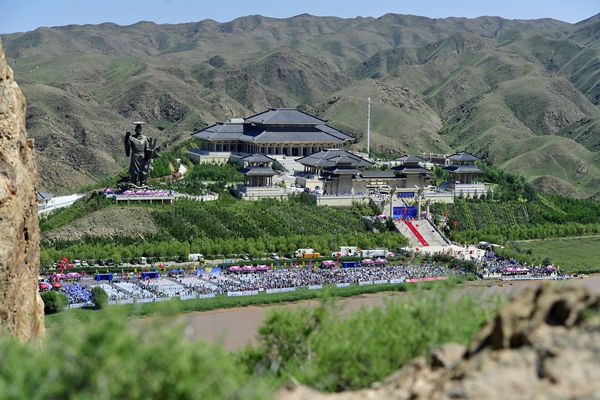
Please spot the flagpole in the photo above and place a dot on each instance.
(368, 127)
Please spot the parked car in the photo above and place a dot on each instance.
(85, 264)
(275, 256)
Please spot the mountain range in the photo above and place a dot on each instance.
(524, 94)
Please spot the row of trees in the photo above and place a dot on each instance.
(238, 219)
(254, 247)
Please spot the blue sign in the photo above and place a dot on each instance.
(404, 212)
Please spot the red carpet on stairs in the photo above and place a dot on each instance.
(415, 232)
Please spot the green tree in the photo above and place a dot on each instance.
(54, 302)
(99, 298)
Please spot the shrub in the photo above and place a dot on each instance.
(108, 358)
(327, 352)
(99, 298)
(54, 302)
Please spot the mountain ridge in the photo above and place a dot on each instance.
(490, 85)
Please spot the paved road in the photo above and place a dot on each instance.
(236, 327)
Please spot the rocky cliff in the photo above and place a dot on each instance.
(544, 344)
(21, 308)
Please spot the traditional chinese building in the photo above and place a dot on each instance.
(340, 172)
(277, 131)
(462, 168)
(465, 175)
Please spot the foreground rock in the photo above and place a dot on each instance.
(21, 308)
(540, 346)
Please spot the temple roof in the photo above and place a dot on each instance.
(333, 158)
(408, 159)
(275, 126)
(258, 171)
(410, 169)
(343, 171)
(463, 169)
(258, 158)
(463, 156)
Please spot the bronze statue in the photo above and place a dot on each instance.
(142, 150)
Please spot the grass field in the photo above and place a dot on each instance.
(571, 254)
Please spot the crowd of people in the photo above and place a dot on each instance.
(493, 266)
(191, 285)
(76, 292)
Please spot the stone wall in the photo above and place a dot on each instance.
(21, 308)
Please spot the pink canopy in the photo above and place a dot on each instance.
(44, 286)
(235, 268)
(550, 268)
(249, 268)
(367, 261)
(328, 262)
(262, 268)
(381, 261)
(73, 275)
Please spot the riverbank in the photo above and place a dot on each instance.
(236, 327)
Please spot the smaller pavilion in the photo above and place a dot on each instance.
(258, 170)
(412, 171)
(462, 168)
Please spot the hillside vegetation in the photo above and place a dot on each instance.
(97, 228)
(523, 94)
(500, 221)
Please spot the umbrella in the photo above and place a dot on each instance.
(44, 286)
(56, 285)
(73, 275)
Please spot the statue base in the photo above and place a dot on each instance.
(131, 186)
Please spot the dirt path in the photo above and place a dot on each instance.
(236, 327)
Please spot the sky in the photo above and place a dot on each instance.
(26, 15)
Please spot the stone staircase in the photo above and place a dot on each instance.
(425, 229)
(289, 163)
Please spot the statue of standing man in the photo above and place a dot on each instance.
(142, 150)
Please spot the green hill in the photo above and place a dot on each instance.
(523, 93)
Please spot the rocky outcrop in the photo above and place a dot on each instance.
(544, 344)
(21, 308)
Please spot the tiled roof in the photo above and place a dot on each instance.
(331, 158)
(285, 125)
(257, 158)
(258, 171)
(408, 159)
(463, 169)
(463, 156)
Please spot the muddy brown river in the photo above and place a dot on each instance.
(236, 327)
